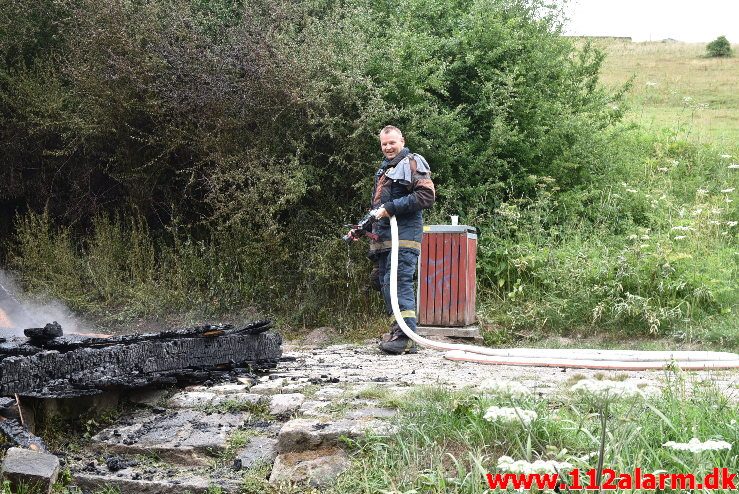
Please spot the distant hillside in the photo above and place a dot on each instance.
(676, 86)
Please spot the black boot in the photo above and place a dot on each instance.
(398, 344)
(394, 329)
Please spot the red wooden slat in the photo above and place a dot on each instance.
(422, 283)
(430, 284)
(462, 285)
(446, 288)
(438, 278)
(471, 281)
(454, 282)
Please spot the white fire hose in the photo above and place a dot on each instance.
(576, 358)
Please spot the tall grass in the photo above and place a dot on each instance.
(444, 444)
(649, 249)
(123, 271)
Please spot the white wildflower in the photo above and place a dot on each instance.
(697, 212)
(663, 170)
(727, 191)
(606, 389)
(727, 200)
(650, 391)
(505, 388)
(644, 237)
(681, 228)
(696, 446)
(714, 222)
(680, 237)
(733, 166)
(651, 84)
(644, 246)
(633, 191)
(510, 414)
(726, 156)
(587, 457)
(633, 237)
(508, 464)
(732, 223)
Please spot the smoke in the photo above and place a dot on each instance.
(17, 312)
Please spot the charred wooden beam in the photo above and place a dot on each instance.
(75, 366)
(18, 435)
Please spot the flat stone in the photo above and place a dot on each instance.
(190, 399)
(329, 393)
(199, 399)
(272, 387)
(285, 404)
(371, 412)
(191, 484)
(186, 437)
(238, 398)
(229, 388)
(35, 470)
(306, 434)
(314, 408)
(318, 468)
(221, 389)
(260, 450)
(296, 386)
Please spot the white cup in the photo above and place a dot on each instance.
(455, 220)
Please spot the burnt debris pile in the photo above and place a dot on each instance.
(48, 364)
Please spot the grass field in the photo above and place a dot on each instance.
(676, 87)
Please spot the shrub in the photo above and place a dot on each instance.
(257, 121)
(719, 47)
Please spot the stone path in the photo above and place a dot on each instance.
(286, 426)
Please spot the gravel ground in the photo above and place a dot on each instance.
(357, 364)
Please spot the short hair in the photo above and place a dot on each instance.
(391, 128)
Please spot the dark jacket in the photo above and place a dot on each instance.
(403, 186)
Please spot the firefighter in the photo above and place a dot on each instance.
(402, 188)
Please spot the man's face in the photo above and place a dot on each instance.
(391, 143)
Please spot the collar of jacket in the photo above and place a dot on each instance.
(391, 163)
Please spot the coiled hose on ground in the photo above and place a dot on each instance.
(575, 358)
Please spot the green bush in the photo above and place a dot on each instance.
(258, 121)
(719, 47)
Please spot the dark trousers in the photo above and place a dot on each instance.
(407, 262)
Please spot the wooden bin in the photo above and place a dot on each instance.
(447, 280)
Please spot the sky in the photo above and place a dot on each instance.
(655, 20)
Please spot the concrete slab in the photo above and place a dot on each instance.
(450, 331)
(33, 470)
